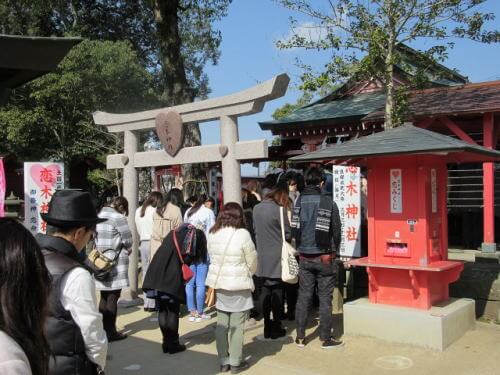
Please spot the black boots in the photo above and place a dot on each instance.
(172, 345)
(273, 330)
(116, 336)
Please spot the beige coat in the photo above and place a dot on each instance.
(172, 219)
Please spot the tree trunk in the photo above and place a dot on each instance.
(176, 87)
(389, 79)
(177, 90)
(118, 182)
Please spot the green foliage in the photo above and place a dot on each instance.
(200, 40)
(165, 50)
(276, 141)
(363, 37)
(104, 179)
(130, 20)
(111, 20)
(51, 117)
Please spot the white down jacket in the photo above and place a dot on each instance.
(234, 270)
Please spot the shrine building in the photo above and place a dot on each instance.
(450, 105)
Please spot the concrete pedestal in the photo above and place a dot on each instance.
(436, 328)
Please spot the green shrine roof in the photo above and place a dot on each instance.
(405, 139)
(336, 107)
(353, 106)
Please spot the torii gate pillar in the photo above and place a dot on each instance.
(231, 171)
(130, 144)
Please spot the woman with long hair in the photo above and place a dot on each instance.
(267, 223)
(253, 186)
(168, 216)
(24, 293)
(233, 262)
(144, 224)
(202, 218)
(165, 283)
(114, 234)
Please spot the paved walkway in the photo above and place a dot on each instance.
(477, 352)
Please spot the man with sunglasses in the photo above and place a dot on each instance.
(74, 326)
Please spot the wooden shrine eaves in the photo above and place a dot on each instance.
(403, 140)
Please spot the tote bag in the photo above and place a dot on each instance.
(289, 265)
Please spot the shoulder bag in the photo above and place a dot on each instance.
(100, 264)
(187, 273)
(289, 265)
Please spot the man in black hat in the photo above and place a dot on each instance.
(74, 326)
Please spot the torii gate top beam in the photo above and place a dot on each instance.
(242, 103)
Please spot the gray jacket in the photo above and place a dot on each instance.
(266, 221)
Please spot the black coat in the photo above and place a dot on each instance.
(164, 272)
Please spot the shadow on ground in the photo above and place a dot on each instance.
(122, 359)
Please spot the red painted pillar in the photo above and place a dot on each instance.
(489, 188)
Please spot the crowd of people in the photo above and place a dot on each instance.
(51, 322)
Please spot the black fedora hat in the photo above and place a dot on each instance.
(70, 208)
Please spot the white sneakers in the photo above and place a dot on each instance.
(198, 318)
(201, 317)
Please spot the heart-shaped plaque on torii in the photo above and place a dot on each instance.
(170, 131)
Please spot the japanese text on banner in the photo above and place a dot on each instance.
(41, 180)
(396, 191)
(347, 195)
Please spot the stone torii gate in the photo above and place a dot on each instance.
(230, 152)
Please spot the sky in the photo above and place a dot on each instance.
(249, 56)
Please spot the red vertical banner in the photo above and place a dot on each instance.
(3, 186)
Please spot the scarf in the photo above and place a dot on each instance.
(323, 225)
(189, 242)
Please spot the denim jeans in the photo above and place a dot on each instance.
(196, 302)
(310, 271)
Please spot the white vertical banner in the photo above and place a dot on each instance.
(396, 191)
(347, 195)
(434, 190)
(41, 180)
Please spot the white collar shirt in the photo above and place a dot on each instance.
(78, 296)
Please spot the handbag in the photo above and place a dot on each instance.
(289, 264)
(187, 273)
(210, 295)
(100, 264)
